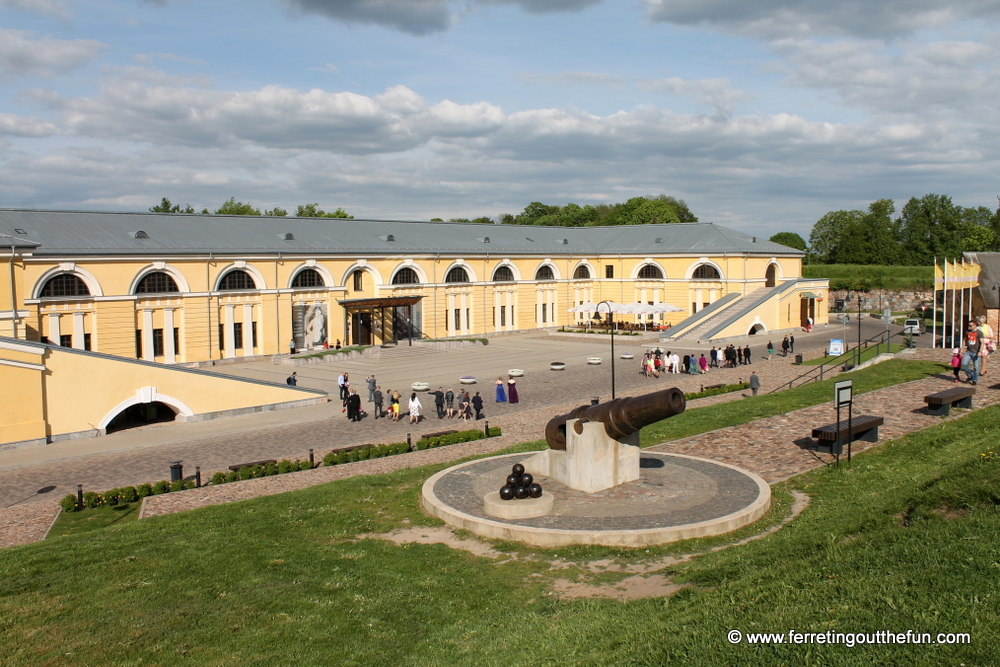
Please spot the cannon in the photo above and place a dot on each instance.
(621, 417)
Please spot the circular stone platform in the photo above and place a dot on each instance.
(676, 498)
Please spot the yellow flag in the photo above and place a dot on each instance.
(938, 276)
(973, 269)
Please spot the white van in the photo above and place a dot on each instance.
(913, 327)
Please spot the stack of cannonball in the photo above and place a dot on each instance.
(520, 485)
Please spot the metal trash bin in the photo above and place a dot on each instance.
(176, 471)
(798, 359)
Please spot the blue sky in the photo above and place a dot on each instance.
(762, 116)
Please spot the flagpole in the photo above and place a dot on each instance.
(934, 307)
(944, 306)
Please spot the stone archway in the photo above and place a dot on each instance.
(771, 276)
(141, 414)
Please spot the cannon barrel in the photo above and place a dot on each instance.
(621, 417)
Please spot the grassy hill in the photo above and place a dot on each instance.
(904, 539)
(863, 277)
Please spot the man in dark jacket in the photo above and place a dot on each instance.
(377, 396)
(439, 402)
(477, 404)
(354, 406)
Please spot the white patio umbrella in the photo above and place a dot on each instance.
(586, 307)
(665, 308)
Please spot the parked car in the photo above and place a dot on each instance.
(913, 327)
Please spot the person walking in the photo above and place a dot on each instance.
(754, 382)
(291, 346)
(748, 355)
(464, 408)
(770, 350)
(956, 362)
(439, 403)
(378, 399)
(371, 388)
(415, 408)
(511, 391)
(989, 343)
(973, 353)
(791, 343)
(293, 380)
(784, 347)
(394, 405)
(501, 394)
(703, 364)
(477, 404)
(341, 379)
(809, 324)
(675, 363)
(714, 354)
(449, 403)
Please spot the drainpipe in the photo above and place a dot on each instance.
(13, 301)
(277, 308)
(208, 301)
(485, 280)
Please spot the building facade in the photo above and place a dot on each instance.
(175, 288)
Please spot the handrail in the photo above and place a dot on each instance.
(838, 360)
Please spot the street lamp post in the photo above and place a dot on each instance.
(611, 324)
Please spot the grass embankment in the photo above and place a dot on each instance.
(864, 277)
(867, 354)
(903, 540)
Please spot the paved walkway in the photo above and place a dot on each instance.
(142, 455)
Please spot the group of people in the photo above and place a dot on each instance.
(655, 362)
(511, 390)
(447, 404)
(980, 342)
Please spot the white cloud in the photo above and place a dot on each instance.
(784, 18)
(717, 94)
(55, 8)
(23, 55)
(12, 125)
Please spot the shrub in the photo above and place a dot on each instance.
(92, 500)
(284, 466)
(177, 485)
(68, 503)
(231, 476)
(271, 469)
(353, 455)
(163, 486)
(246, 472)
(305, 465)
(128, 494)
(343, 457)
(144, 490)
(111, 497)
(219, 478)
(494, 431)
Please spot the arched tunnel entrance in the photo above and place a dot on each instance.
(141, 414)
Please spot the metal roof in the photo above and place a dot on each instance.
(75, 233)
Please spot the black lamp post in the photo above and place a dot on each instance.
(611, 324)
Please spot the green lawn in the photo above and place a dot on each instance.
(905, 539)
(867, 354)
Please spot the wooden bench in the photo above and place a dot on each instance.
(436, 434)
(942, 402)
(236, 468)
(712, 386)
(863, 427)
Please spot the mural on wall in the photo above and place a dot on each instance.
(309, 325)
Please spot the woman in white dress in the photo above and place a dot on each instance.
(415, 408)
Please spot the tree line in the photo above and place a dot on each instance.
(926, 227)
(233, 207)
(658, 209)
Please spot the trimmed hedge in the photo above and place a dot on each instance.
(365, 452)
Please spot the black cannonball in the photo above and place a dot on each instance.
(518, 469)
(520, 491)
(506, 493)
(535, 490)
(513, 480)
(527, 479)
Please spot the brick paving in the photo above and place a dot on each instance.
(143, 455)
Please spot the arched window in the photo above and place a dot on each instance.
(650, 272)
(237, 280)
(308, 278)
(157, 282)
(503, 274)
(65, 284)
(457, 275)
(582, 273)
(544, 272)
(706, 272)
(406, 276)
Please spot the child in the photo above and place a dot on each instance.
(956, 362)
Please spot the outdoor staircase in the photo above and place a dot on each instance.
(739, 308)
(402, 351)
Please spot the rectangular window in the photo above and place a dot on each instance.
(458, 319)
(503, 316)
(545, 313)
(177, 340)
(222, 337)
(358, 285)
(467, 318)
(86, 341)
(238, 335)
(253, 333)
(157, 342)
(138, 343)
(66, 340)
(609, 271)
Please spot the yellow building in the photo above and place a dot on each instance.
(175, 288)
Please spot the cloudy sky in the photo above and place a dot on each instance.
(761, 115)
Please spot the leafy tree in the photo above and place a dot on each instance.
(165, 206)
(313, 211)
(872, 240)
(828, 235)
(506, 219)
(276, 212)
(790, 239)
(233, 207)
(437, 219)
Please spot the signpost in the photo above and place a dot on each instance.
(842, 396)
(836, 347)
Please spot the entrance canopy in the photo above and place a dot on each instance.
(386, 320)
(388, 302)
